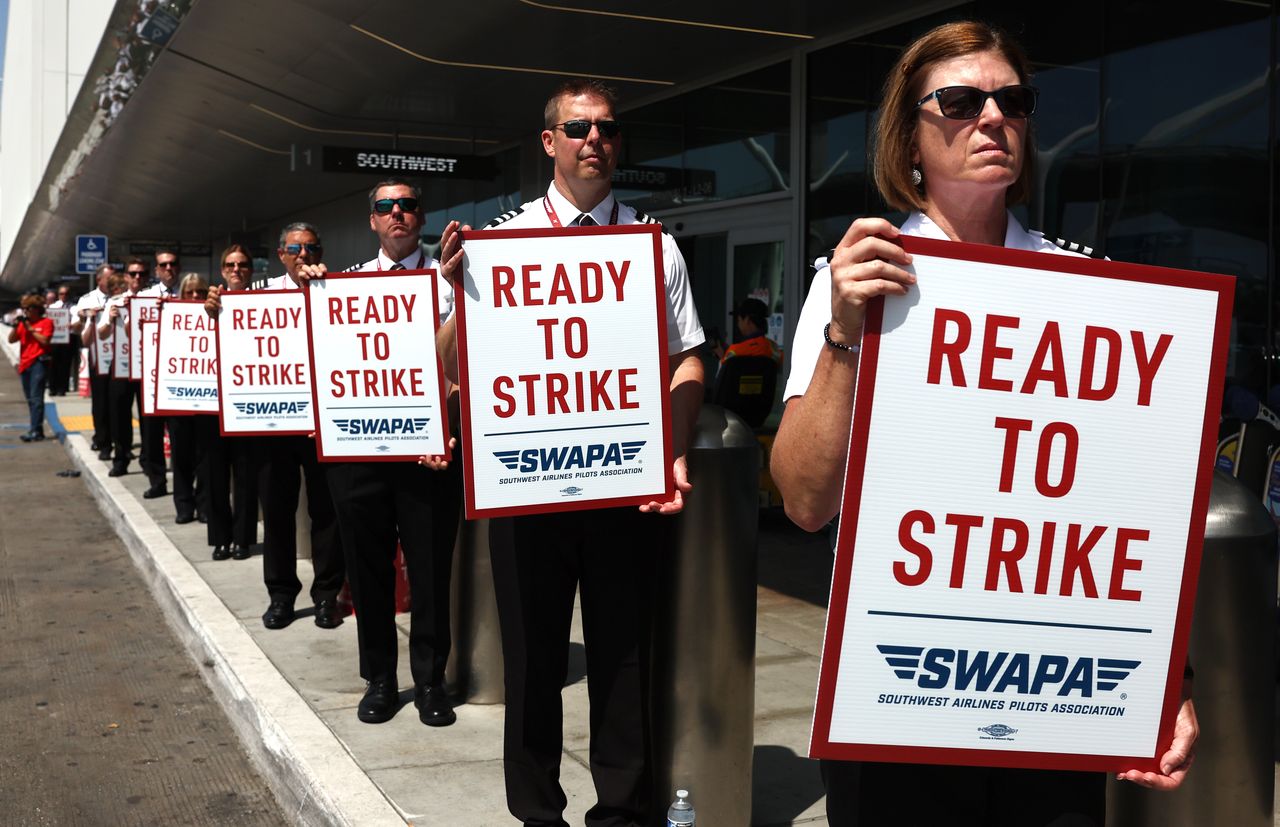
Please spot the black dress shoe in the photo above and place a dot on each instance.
(105, 454)
(241, 553)
(433, 706)
(380, 702)
(155, 492)
(117, 472)
(201, 517)
(278, 615)
(327, 614)
(183, 519)
(221, 553)
(37, 436)
(27, 437)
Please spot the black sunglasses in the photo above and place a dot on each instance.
(236, 265)
(963, 103)
(578, 129)
(384, 205)
(313, 249)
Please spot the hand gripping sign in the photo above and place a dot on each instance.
(141, 309)
(377, 387)
(264, 366)
(1024, 509)
(562, 352)
(187, 371)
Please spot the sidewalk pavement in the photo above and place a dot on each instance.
(292, 694)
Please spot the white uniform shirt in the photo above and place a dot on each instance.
(816, 312)
(684, 329)
(93, 300)
(280, 283)
(416, 260)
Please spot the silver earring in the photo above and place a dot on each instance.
(916, 177)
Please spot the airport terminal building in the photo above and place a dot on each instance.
(746, 129)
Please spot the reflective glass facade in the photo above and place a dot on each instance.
(1156, 135)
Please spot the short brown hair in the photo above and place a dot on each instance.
(895, 132)
(572, 88)
(235, 248)
(373, 196)
(32, 300)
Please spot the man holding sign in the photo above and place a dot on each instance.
(541, 560)
(382, 503)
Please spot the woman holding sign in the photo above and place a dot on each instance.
(953, 147)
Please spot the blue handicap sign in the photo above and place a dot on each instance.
(91, 252)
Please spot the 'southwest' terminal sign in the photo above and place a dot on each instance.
(355, 159)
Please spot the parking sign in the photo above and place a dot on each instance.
(91, 252)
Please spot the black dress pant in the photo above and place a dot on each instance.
(870, 794)
(286, 461)
(378, 503)
(60, 374)
(100, 406)
(151, 457)
(232, 464)
(188, 438)
(539, 562)
(122, 397)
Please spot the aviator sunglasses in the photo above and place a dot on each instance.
(385, 205)
(963, 103)
(312, 249)
(579, 129)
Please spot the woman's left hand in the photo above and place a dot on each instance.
(438, 462)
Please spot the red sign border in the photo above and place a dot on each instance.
(222, 421)
(143, 383)
(468, 467)
(820, 745)
(135, 347)
(435, 326)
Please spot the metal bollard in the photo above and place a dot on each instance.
(705, 633)
(1233, 653)
(475, 673)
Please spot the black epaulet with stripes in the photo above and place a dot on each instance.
(1073, 247)
(260, 284)
(505, 217)
(641, 218)
(355, 268)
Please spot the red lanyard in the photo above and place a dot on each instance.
(555, 219)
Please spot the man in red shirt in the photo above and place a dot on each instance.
(33, 332)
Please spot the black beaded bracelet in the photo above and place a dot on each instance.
(826, 334)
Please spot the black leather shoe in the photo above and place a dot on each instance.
(37, 436)
(201, 517)
(221, 553)
(327, 614)
(155, 492)
(380, 702)
(433, 706)
(105, 454)
(278, 615)
(241, 553)
(183, 519)
(117, 472)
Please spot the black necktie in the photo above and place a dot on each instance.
(585, 220)
(398, 266)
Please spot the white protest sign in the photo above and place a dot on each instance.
(563, 363)
(120, 347)
(376, 382)
(61, 318)
(1011, 588)
(187, 369)
(103, 346)
(141, 309)
(264, 364)
(149, 334)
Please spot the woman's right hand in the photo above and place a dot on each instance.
(868, 262)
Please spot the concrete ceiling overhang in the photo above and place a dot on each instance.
(205, 144)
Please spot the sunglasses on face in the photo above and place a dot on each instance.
(235, 265)
(962, 103)
(579, 129)
(295, 249)
(135, 274)
(166, 264)
(384, 205)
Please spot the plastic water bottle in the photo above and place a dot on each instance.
(680, 813)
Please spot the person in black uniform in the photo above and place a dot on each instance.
(87, 311)
(122, 394)
(151, 428)
(285, 462)
(604, 555)
(379, 503)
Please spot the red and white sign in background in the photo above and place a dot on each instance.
(563, 361)
(1023, 515)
